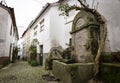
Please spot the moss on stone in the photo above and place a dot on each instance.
(107, 57)
(110, 72)
(87, 16)
(94, 33)
(73, 73)
(72, 69)
(54, 54)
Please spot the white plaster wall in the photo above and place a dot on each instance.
(31, 35)
(8, 37)
(2, 30)
(110, 9)
(56, 32)
(57, 28)
(61, 26)
(42, 36)
(20, 46)
(5, 25)
(69, 19)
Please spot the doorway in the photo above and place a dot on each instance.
(41, 55)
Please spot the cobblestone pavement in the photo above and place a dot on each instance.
(21, 72)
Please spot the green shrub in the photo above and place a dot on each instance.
(33, 55)
(34, 63)
(15, 54)
(110, 73)
(107, 58)
(67, 53)
(33, 52)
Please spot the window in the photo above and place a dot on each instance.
(35, 27)
(41, 25)
(35, 33)
(11, 30)
(70, 41)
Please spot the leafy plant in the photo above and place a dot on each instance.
(15, 54)
(107, 58)
(67, 53)
(34, 63)
(33, 54)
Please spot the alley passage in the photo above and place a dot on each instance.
(21, 72)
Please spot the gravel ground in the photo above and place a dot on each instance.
(21, 72)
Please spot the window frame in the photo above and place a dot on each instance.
(42, 25)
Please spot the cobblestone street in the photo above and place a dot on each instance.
(21, 72)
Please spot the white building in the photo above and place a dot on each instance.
(52, 30)
(25, 43)
(8, 32)
(20, 49)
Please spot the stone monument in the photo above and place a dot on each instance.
(85, 37)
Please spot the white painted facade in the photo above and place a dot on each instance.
(25, 42)
(8, 32)
(110, 9)
(56, 29)
(20, 48)
(42, 35)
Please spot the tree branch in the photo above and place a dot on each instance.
(82, 4)
(74, 7)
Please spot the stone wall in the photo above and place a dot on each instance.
(110, 72)
(73, 73)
